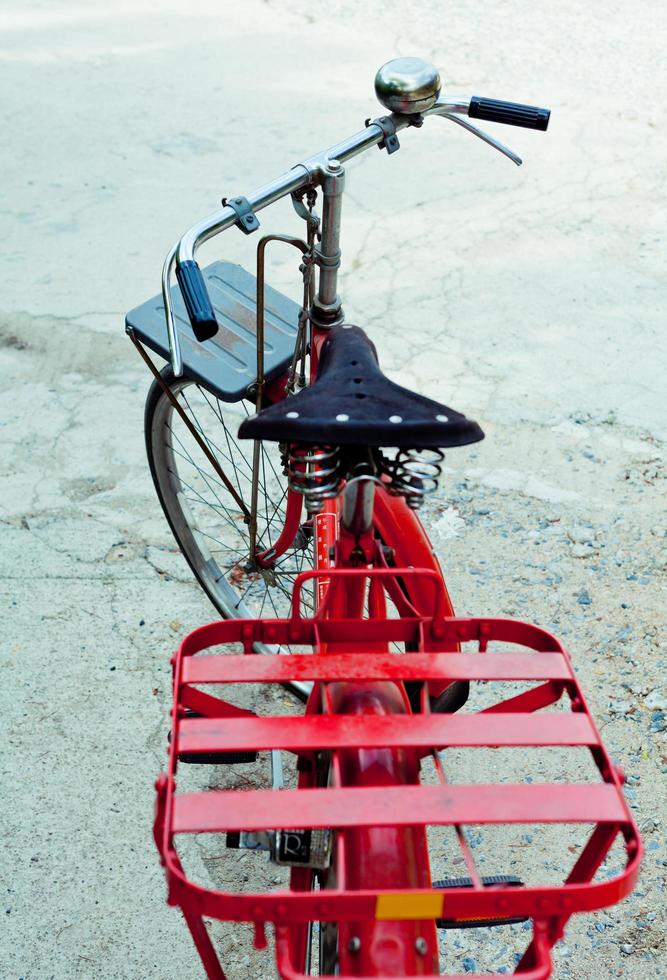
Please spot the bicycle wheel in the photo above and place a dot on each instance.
(207, 522)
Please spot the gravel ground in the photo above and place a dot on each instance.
(529, 299)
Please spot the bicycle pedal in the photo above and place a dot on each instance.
(509, 881)
(217, 758)
(213, 758)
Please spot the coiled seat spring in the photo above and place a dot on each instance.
(314, 471)
(414, 474)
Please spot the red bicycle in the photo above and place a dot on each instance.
(316, 522)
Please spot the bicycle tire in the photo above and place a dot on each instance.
(206, 522)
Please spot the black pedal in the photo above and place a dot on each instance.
(507, 881)
(213, 758)
(217, 758)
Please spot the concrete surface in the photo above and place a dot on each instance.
(529, 298)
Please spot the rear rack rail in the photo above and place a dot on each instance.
(514, 721)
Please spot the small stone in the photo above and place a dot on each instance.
(584, 599)
(582, 551)
(627, 948)
(656, 700)
(619, 707)
(469, 964)
(581, 535)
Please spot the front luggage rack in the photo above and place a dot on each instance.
(227, 363)
(363, 654)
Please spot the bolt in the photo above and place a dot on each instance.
(421, 945)
(335, 166)
(354, 944)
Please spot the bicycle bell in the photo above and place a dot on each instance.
(407, 85)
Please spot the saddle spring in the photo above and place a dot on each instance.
(317, 473)
(414, 474)
(313, 471)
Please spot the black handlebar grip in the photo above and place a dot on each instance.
(511, 113)
(196, 299)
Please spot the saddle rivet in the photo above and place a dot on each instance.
(292, 415)
(342, 417)
(442, 418)
(395, 418)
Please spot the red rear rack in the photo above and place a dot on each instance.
(512, 721)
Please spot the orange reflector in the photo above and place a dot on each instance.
(403, 905)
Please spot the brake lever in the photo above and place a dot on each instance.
(496, 144)
(450, 107)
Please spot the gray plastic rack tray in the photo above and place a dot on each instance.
(227, 364)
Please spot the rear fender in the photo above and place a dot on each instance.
(381, 857)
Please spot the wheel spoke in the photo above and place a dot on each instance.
(195, 498)
(225, 516)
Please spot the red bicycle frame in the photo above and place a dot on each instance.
(358, 723)
(383, 856)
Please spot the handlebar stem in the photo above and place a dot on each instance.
(326, 309)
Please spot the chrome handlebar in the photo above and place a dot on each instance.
(311, 172)
(307, 173)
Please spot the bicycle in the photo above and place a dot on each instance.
(353, 831)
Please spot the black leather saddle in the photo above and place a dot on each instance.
(353, 403)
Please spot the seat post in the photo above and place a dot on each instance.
(326, 311)
(357, 511)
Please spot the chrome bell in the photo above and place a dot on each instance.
(407, 85)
